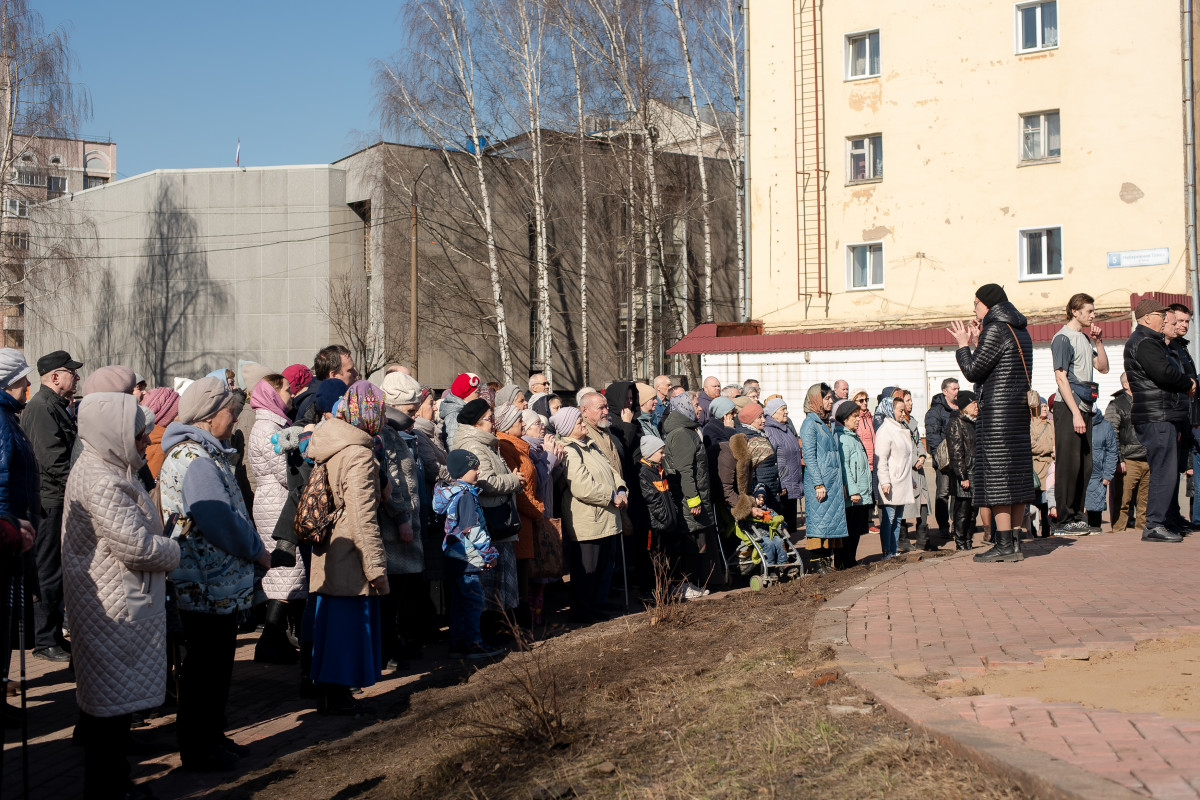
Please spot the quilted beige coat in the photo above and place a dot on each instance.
(269, 471)
(115, 559)
(354, 556)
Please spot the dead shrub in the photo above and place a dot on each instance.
(668, 605)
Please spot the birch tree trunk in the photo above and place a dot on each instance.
(583, 216)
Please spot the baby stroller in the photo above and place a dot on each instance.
(752, 537)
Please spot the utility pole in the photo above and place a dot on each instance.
(412, 284)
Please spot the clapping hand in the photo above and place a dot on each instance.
(960, 332)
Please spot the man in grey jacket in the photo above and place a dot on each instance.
(48, 423)
(936, 419)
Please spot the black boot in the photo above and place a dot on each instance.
(923, 542)
(961, 541)
(273, 645)
(1005, 549)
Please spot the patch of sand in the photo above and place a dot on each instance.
(1160, 676)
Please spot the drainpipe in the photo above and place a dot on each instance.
(1189, 149)
(746, 155)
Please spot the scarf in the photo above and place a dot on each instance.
(362, 407)
(682, 403)
(265, 397)
(814, 400)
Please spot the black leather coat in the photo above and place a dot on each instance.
(1156, 379)
(960, 446)
(999, 367)
(1118, 415)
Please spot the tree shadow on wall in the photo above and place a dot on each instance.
(105, 346)
(175, 305)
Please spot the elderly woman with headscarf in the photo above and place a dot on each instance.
(164, 402)
(286, 587)
(349, 572)
(789, 461)
(115, 561)
(686, 457)
(591, 513)
(824, 506)
(215, 578)
(893, 471)
(856, 480)
(918, 509)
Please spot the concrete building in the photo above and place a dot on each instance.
(42, 169)
(190, 270)
(903, 155)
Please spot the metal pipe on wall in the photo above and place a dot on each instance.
(1189, 149)
(746, 157)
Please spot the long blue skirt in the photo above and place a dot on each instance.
(347, 641)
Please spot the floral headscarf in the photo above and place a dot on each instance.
(362, 407)
(885, 409)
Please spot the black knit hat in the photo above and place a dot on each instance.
(473, 411)
(844, 410)
(460, 462)
(990, 294)
(964, 399)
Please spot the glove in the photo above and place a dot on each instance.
(284, 554)
(287, 439)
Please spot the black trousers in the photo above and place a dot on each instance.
(1162, 455)
(1072, 468)
(941, 505)
(402, 624)
(964, 517)
(204, 679)
(105, 756)
(1184, 450)
(48, 608)
(858, 522)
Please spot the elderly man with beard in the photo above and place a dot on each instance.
(593, 406)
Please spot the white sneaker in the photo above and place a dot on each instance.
(691, 592)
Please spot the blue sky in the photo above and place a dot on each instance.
(176, 83)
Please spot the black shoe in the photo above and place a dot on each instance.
(230, 746)
(52, 653)
(337, 701)
(218, 759)
(1005, 549)
(1160, 534)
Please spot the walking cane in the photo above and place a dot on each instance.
(624, 573)
(12, 604)
(24, 696)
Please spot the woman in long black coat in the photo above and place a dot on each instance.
(1000, 367)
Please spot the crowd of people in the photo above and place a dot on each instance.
(155, 523)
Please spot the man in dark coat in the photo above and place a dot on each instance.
(1179, 320)
(999, 367)
(48, 423)
(686, 457)
(1156, 380)
(1132, 480)
(936, 418)
(960, 446)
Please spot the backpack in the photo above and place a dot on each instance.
(941, 457)
(316, 512)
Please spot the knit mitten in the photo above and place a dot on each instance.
(287, 439)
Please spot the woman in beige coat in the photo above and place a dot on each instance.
(591, 517)
(349, 573)
(893, 471)
(114, 560)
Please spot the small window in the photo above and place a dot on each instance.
(864, 266)
(862, 55)
(864, 158)
(56, 186)
(1041, 253)
(90, 181)
(1040, 139)
(1037, 26)
(16, 208)
(27, 177)
(17, 240)
(55, 159)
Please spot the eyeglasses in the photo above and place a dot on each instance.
(487, 419)
(862, 401)
(70, 372)
(542, 383)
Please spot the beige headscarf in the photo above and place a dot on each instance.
(203, 399)
(814, 400)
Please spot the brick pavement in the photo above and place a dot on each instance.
(956, 619)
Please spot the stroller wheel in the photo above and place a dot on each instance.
(757, 583)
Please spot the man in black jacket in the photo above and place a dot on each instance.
(1133, 474)
(936, 419)
(1179, 320)
(51, 429)
(1156, 379)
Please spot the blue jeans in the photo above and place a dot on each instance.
(466, 602)
(889, 529)
(772, 550)
(1196, 488)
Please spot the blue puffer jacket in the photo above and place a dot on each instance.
(18, 467)
(856, 469)
(822, 467)
(1104, 462)
(787, 456)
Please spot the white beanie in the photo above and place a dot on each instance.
(13, 367)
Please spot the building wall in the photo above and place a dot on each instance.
(190, 270)
(953, 196)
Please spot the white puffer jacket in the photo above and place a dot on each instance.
(270, 474)
(115, 559)
(893, 463)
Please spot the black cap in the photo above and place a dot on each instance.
(964, 399)
(460, 462)
(59, 359)
(990, 294)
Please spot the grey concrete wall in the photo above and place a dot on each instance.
(185, 271)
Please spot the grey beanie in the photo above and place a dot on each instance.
(720, 406)
(144, 422)
(564, 420)
(507, 395)
(773, 405)
(203, 399)
(651, 445)
(13, 367)
(506, 416)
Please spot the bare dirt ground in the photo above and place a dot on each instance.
(1160, 676)
(721, 699)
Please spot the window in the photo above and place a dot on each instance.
(16, 208)
(16, 240)
(1040, 139)
(26, 177)
(56, 159)
(56, 186)
(864, 158)
(862, 55)
(1041, 253)
(93, 180)
(864, 266)
(1037, 26)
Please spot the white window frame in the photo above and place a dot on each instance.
(17, 240)
(870, 140)
(1023, 267)
(1043, 159)
(870, 287)
(13, 206)
(1017, 9)
(847, 42)
(29, 177)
